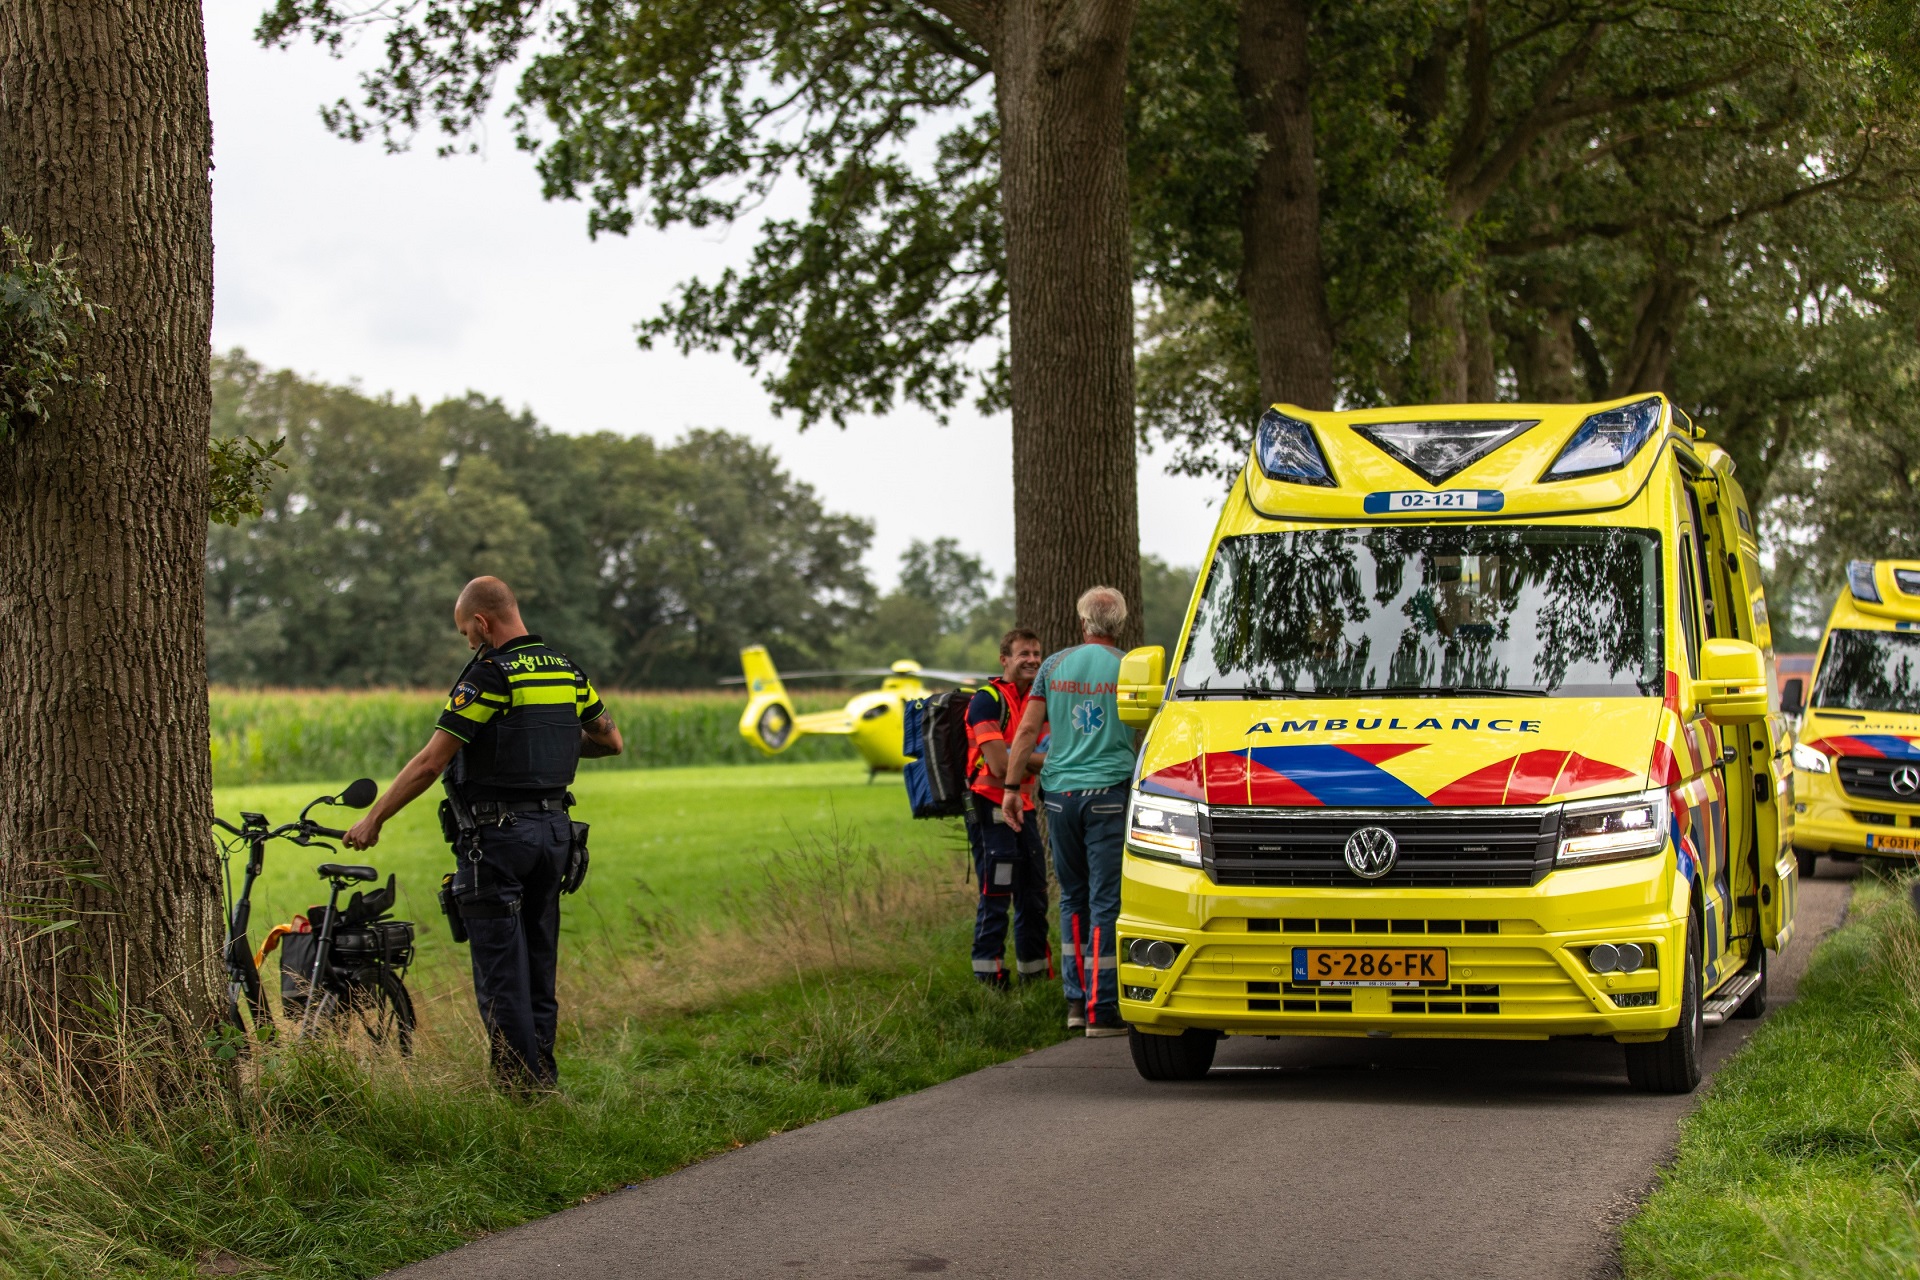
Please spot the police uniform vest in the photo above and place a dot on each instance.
(527, 746)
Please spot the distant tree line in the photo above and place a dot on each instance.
(651, 564)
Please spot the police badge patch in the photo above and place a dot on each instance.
(464, 695)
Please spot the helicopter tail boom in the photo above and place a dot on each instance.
(769, 722)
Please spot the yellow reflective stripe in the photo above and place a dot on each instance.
(478, 712)
(543, 695)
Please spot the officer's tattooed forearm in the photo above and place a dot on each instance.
(598, 736)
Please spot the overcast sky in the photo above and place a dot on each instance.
(428, 277)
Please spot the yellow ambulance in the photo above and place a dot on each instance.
(1473, 733)
(1857, 762)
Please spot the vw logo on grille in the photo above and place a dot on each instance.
(1906, 780)
(1372, 851)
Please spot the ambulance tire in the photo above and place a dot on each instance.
(1187, 1056)
(1809, 862)
(1755, 1005)
(1672, 1064)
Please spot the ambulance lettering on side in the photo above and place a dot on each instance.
(1469, 732)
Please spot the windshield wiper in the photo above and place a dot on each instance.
(1446, 691)
(1252, 691)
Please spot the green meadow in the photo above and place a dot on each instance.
(671, 847)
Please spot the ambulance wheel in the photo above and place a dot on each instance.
(1187, 1056)
(1808, 861)
(1755, 1005)
(1672, 1064)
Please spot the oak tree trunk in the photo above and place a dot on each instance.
(105, 146)
(1437, 340)
(1280, 222)
(1059, 82)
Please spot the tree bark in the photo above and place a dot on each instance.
(105, 147)
(1280, 223)
(1059, 82)
(1437, 341)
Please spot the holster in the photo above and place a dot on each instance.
(577, 859)
(450, 907)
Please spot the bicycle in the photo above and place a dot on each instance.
(348, 973)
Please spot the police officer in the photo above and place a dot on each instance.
(513, 730)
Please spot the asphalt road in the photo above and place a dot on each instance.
(1318, 1159)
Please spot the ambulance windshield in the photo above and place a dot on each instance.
(1870, 671)
(1430, 610)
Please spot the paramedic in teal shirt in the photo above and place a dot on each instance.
(1089, 763)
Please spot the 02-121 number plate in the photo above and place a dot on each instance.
(1371, 966)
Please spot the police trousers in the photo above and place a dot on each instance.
(513, 928)
(1026, 897)
(1088, 830)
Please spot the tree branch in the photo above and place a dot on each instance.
(978, 20)
(943, 37)
(1467, 195)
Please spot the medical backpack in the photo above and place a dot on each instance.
(934, 733)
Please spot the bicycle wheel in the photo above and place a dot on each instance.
(247, 1007)
(378, 1007)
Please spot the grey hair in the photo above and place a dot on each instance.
(1103, 611)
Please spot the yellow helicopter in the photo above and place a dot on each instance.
(873, 719)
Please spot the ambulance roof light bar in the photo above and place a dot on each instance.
(1287, 450)
(1436, 451)
(1607, 440)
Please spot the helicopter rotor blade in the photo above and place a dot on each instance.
(816, 675)
(952, 677)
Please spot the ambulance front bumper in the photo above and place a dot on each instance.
(1516, 959)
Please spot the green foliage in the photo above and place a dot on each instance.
(283, 735)
(1802, 1160)
(650, 565)
(42, 310)
(242, 474)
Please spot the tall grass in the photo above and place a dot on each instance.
(1803, 1162)
(293, 735)
(840, 981)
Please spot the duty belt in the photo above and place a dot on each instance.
(500, 808)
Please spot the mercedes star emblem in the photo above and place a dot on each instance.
(1372, 851)
(1906, 780)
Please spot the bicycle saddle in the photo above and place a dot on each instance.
(347, 871)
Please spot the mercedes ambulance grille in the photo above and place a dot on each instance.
(1438, 848)
(1873, 778)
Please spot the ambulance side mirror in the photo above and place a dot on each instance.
(1143, 683)
(1732, 688)
(1793, 698)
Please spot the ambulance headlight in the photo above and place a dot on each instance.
(1607, 440)
(1811, 759)
(1288, 451)
(1613, 829)
(1164, 827)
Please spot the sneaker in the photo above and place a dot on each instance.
(1076, 1019)
(1100, 1033)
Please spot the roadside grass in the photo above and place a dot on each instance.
(288, 735)
(1804, 1158)
(838, 979)
(671, 847)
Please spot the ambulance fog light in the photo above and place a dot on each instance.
(1631, 957)
(1613, 829)
(1604, 958)
(1165, 827)
(1154, 953)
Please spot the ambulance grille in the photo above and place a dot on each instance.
(1871, 778)
(1439, 848)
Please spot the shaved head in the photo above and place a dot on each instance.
(486, 595)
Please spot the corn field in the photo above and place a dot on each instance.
(292, 735)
